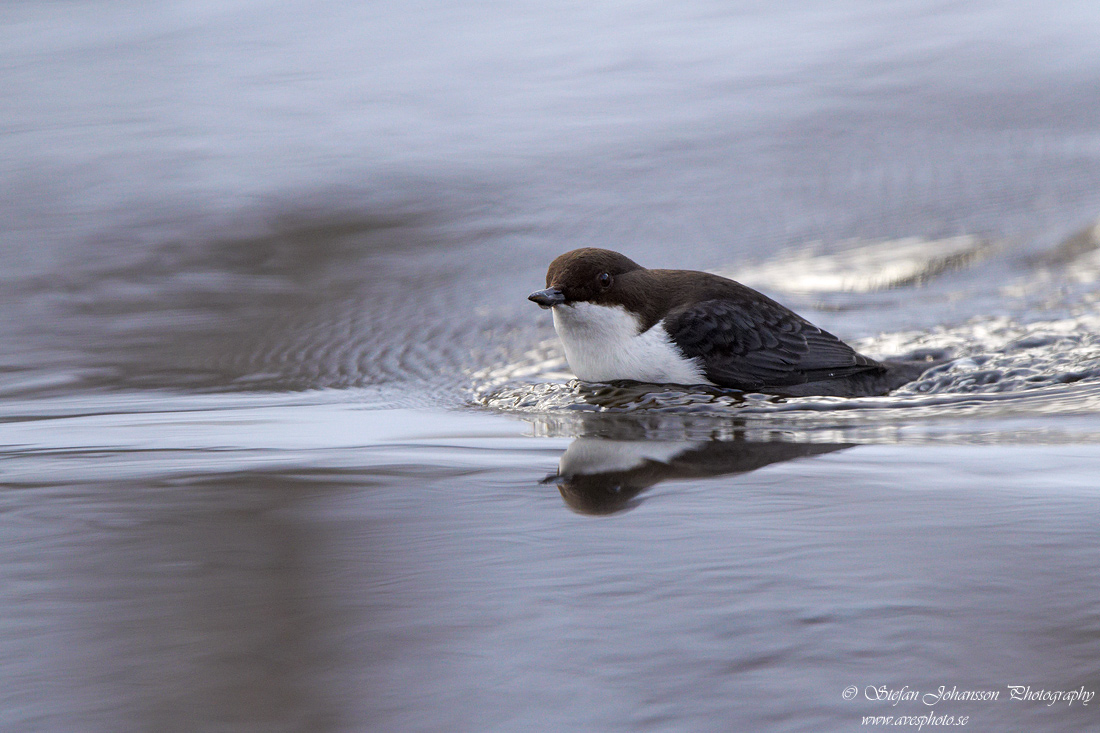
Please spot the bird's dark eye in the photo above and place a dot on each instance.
(605, 279)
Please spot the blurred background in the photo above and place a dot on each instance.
(274, 411)
(200, 194)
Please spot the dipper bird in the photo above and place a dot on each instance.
(619, 320)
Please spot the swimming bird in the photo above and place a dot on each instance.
(619, 320)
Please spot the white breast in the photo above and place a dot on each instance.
(602, 343)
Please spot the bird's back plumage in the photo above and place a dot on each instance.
(754, 344)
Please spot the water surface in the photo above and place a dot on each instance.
(285, 448)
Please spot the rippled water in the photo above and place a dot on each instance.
(284, 447)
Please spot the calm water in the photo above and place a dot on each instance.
(285, 448)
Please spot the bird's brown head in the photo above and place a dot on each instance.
(584, 275)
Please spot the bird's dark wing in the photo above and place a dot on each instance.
(753, 343)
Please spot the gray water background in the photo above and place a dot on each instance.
(276, 420)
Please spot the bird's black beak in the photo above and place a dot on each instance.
(547, 298)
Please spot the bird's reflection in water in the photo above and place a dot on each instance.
(604, 471)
